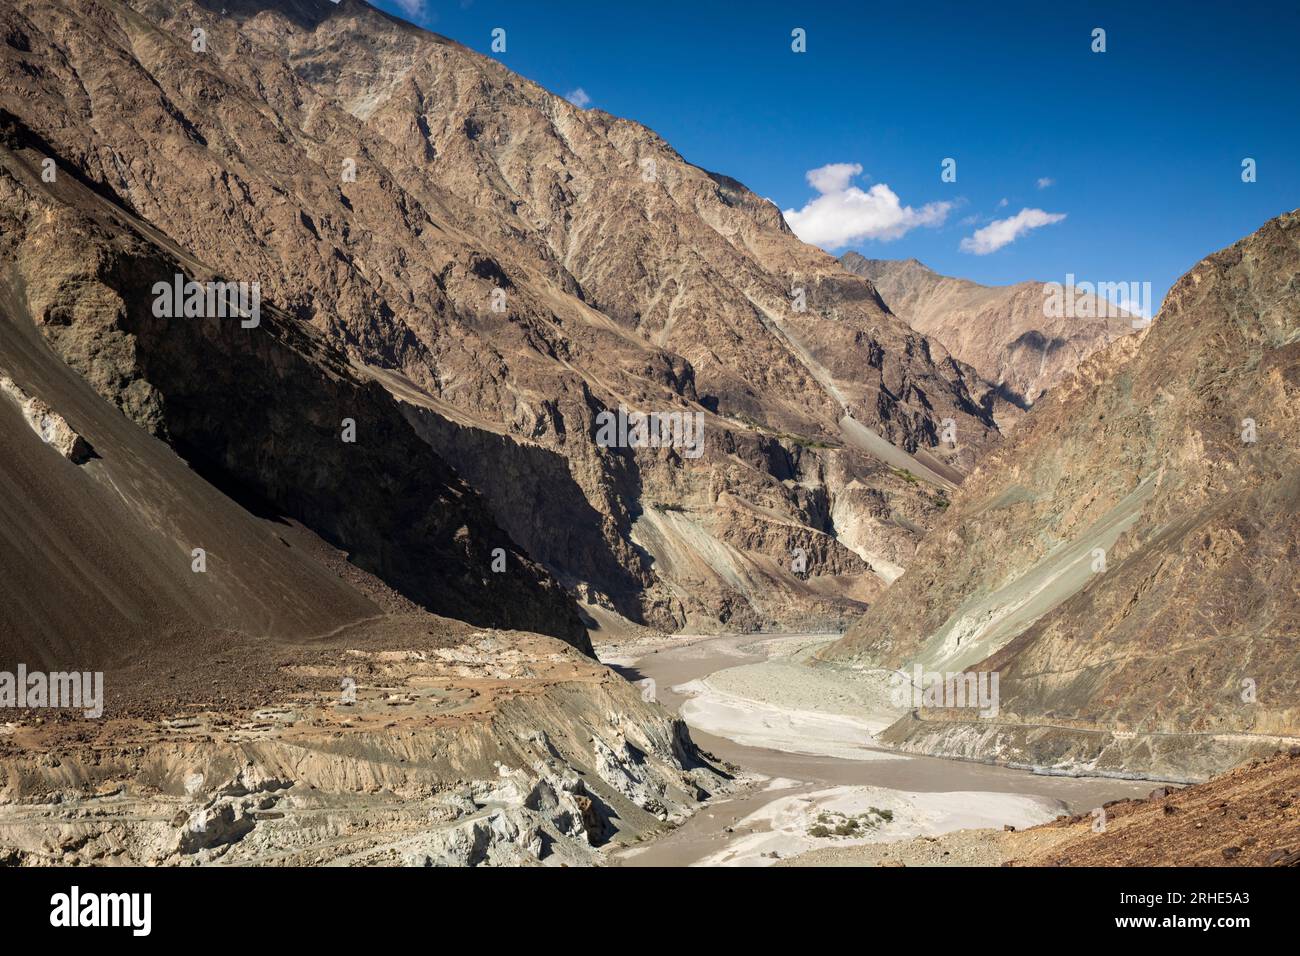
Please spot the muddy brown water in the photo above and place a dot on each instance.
(705, 833)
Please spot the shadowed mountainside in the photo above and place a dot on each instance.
(511, 267)
(103, 548)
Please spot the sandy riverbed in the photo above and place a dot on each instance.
(820, 782)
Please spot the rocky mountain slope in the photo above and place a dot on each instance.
(179, 511)
(1246, 817)
(1126, 560)
(1002, 331)
(102, 553)
(317, 549)
(510, 267)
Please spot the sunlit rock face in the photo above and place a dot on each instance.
(1026, 338)
(1126, 560)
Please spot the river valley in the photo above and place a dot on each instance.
(819, 770)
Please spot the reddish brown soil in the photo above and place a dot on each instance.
(1249, 816)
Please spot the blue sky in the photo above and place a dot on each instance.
(1142, 144)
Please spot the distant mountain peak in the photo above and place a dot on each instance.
(1002, 331)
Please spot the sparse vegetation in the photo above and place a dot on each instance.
(788, 437)
(835, 824)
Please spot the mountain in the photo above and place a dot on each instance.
(511, 268)
(311, 637)
(1125, 561)
(98, 548)
(324, 343)
(1005, 332)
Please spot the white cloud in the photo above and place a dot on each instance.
(1046, 181)
(1003, 232)
(843, 213)
(833, 177)
(1002, 203)
(578, 98)
(412, 8)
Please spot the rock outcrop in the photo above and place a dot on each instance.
(52, 427)
(500, 749)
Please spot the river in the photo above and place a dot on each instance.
(706, 834)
